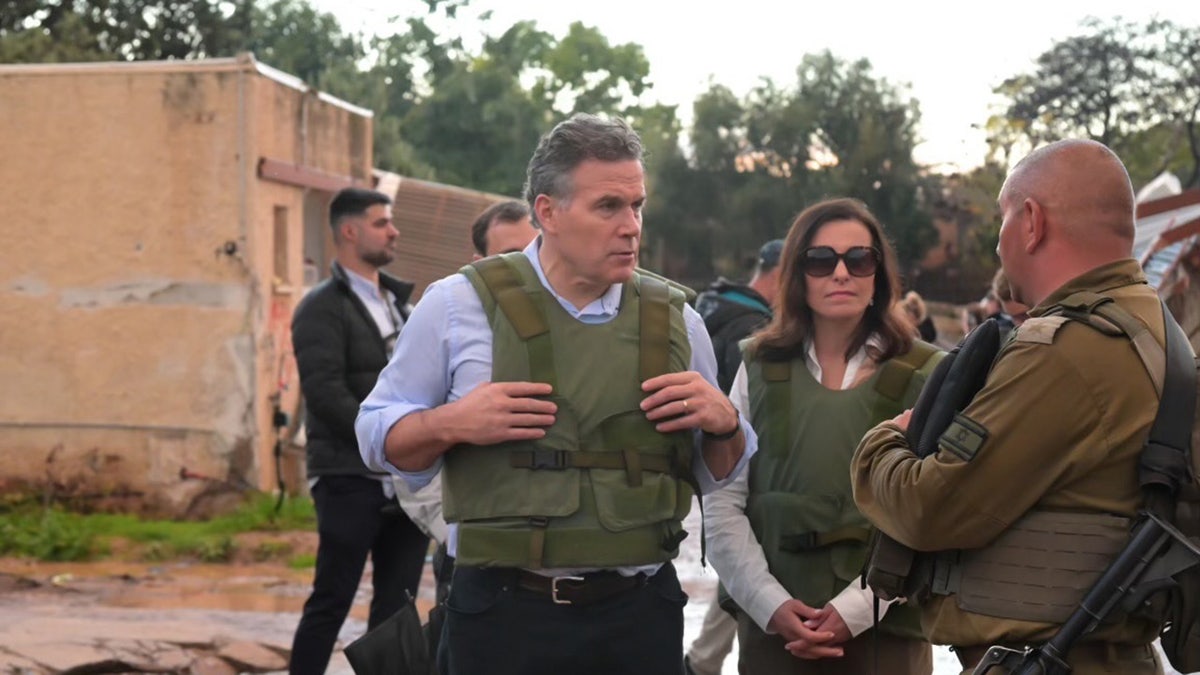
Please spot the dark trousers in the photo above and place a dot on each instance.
(354, 518)
(871, 652)
(494, 627)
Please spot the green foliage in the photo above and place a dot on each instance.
(836, 131)
(52, 534)
(271, 550)
(470, 116)
(1134, 87)
(46, 535)
(303, 561)
(33, 31)
(215, 549)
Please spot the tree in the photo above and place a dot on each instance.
(1133, 87)
(33, 31)
(479, 123)
(837, 131)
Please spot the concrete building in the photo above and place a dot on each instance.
(158, 219)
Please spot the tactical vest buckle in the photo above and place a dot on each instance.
(555, 460)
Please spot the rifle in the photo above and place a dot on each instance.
(1156, 552)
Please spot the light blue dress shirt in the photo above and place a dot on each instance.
(445, 351)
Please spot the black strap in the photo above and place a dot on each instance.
(1164, 463)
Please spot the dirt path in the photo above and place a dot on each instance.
(211, 619)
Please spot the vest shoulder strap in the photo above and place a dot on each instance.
(499, 284)
(654, 332)
(503, 283)
(1103, 314)
(687, 293)
(897, 372)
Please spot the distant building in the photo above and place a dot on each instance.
(1168, 246)
(158, 217)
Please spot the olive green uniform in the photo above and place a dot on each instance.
(1058, 428)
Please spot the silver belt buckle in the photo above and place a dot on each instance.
(554, 589)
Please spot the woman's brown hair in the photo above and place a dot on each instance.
(784, 337)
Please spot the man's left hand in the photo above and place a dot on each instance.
(686, 400)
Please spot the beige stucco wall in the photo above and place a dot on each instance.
(300, 128)
(141, 323)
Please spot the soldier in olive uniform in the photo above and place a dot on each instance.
(1051, 442)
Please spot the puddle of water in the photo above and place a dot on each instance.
(230, 587)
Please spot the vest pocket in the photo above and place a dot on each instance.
(620, 507)
(644, 492)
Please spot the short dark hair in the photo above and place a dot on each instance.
(570, 143)
(508, 211)
(353, 201)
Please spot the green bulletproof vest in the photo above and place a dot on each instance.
(800, 505)
(602, 488)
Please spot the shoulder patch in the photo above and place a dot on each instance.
(1040, 329)
(964, 437)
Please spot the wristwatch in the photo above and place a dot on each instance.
(728, 434)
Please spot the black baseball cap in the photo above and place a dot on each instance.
(768, 255)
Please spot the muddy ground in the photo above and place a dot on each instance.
(210, 619)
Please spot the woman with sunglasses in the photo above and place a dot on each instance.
(785, 536)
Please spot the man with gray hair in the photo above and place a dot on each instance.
(570, 401)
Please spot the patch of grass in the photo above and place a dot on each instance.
(46, 535)
(53, 534)
(303, 561)
(271, 550)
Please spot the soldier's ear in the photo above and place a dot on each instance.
(1034, 228)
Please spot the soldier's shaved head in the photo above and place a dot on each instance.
(1067, 208)
(1082, 186)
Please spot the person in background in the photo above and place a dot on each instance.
(342, 334)
(732, 311)
(785, 536)
(914, 308)
(503, 227)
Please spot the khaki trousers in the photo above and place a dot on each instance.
(763, 654)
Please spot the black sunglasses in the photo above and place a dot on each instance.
(821, 261)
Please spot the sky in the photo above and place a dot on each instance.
(950, 55)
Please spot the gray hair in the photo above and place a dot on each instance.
(571, 142)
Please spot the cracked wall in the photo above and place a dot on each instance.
(146, 322)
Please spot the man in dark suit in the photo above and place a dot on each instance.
(343, 333)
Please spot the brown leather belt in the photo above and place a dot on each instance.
(583, 589)
(970, 657)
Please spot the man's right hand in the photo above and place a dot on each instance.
(802, 641)
(495, 412)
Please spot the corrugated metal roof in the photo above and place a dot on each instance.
(434, 221)
(1159, 218)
